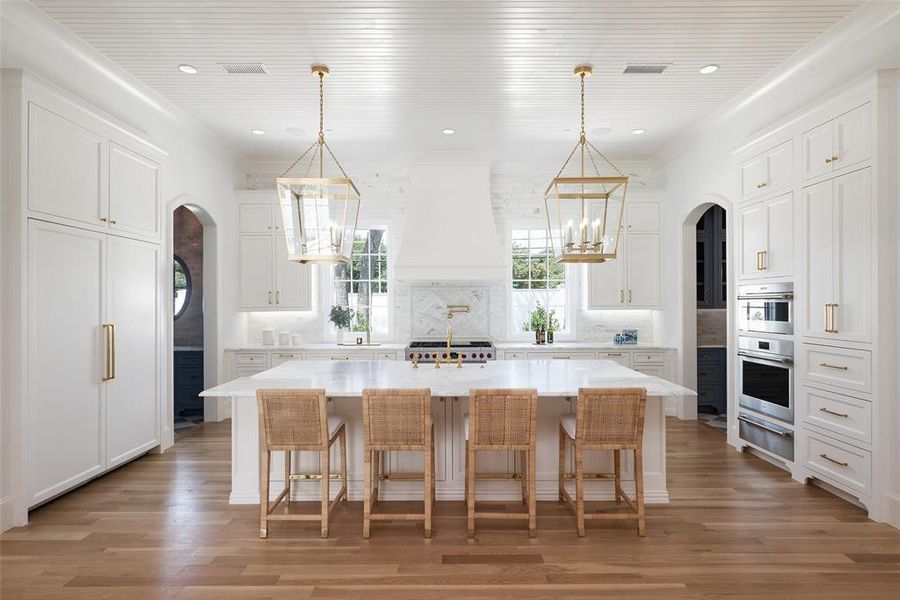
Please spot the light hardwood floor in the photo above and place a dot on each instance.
(737, 528)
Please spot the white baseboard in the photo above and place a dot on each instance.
(8, 518)
(892, 510)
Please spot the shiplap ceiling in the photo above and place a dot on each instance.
(402, 70)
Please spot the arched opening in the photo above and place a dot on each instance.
(192, 317)
(708, 295)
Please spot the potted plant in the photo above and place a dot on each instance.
(341, 317)
(537, 323)
(552, 325)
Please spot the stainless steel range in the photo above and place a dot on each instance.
(468, 351)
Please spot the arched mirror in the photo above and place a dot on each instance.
(181, 286)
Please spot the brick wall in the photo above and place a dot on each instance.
(188, 244)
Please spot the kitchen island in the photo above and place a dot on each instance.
(557, 383)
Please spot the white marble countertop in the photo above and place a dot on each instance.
(349, 378)
(576, 346)
(317, 346)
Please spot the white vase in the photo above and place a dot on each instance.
(339, 336)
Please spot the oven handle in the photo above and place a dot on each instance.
(766, 297)
(761, 426)
(784, 361)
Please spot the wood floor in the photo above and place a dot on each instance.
(736, 528)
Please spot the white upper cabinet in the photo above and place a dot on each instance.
(767, 172)
(134, 194)
(837, 218)
(133, 306)
(642, 216)
(838, 143)
(268, 279)
(642, 270)
(66, 170)
(766, 231)
(606, 284)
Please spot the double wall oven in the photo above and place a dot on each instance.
(766, 366)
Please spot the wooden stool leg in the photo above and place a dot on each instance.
(523, 460)
(326, 479)
(562, 462)
(532, 492)
(264, 466)
(470, 489)
(287, 476)
(429, 478)
(376, 479)
(617, 465)
(639, 488)
(433, 470)
(367, 491)
(343, 449)
(579, 488)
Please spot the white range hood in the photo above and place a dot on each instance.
(449, 234)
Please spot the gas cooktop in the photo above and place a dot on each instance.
(467, 350)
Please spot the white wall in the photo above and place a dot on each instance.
(198, 170)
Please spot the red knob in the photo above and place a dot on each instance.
(489, 354)
(444, 355)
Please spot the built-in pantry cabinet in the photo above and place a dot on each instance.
(633, 279)
(768, 172)
(84, 199)
(844, 224)
(267, 280)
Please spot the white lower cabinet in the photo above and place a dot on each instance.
(623, 358)
(93, 392)
(838, 463)
(846, 416)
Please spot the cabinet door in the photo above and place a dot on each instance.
(642, 216)
(292, 281)
(255, 218)
(752, 229)
(817, 150)
(642, 264)
(779, 167)
(818, 210)
(133, 192)
(65, 409)
(256, 272)
(852, 257)
(753, 174)
(133, 306)
(65, 173)
(852, 137)
(779, 257)
(606, 287)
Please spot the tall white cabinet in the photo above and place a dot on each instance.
(84, 246)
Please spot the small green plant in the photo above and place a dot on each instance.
(552, 321)
(341, 316)
(538, 319)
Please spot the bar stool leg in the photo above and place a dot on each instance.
(429, 498)
(470, 489)
(579, 488)
(617, 462)
(532, 492)
(264, 467)
(376, 478)
(343, 450)
(433, 470)
(326, 478)
(367, 492)
(523, 459)
(562, 463)
(639, 487)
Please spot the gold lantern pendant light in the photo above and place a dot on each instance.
(585, 207)
(319, 213)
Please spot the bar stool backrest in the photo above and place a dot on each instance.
(611, 417)
(503, 419)
(396, 419)
(292, 419)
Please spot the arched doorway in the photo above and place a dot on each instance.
(695, 241)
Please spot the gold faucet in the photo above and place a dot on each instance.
(415, 360)
(437, 361)
(449, 336)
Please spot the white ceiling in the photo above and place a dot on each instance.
(496, 71)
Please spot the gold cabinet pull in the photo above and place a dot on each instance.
(837, 462)
(277, 296)
(621, 296)
(827, 325)
(629, 295)
(829, 160)
(760, 186)
(834, 159)
(761, 260)
(831, 412)
(833, 326)
(829, 318)
(103, 219)
(107, 352)
(270, 296)
(827, 366)
(112, 221)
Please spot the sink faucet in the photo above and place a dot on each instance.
(449, 336)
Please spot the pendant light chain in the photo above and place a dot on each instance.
(581, 77)
(321, 107)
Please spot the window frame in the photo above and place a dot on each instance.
(189, 285)
(332, 280)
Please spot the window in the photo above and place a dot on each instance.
(181, 286)
(362, 285)
(536, 278)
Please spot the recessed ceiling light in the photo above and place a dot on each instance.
(257, 132)
(189, 69)
(448, 131)
(709, 69)
(638, 131)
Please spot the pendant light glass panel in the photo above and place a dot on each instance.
(584, 217)
(319, 218)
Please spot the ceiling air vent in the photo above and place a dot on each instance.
(644, 69)
(245, 68)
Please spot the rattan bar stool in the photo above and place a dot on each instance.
(605, 419)
(297, 421)
(396, 420)
(502, 419)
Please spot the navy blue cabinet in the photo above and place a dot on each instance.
(711, 381)
(712, 268)
(188, 382)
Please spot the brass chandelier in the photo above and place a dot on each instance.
(582, 197)
(319, 212)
